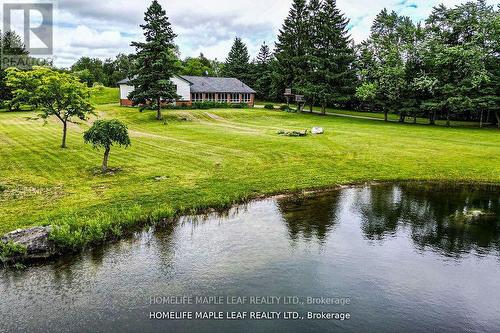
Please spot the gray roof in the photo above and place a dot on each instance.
(203, 84)
(124, 81)
(217, 84)
(127, 80)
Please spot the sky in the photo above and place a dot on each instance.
(104, 28)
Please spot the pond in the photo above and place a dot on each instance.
(399, 257)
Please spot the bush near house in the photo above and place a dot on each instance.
(206, 106)
(286, 108)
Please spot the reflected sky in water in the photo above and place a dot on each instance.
(413, 258)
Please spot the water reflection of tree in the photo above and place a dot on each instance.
(309, 217)
(434, 214)
(380, 212)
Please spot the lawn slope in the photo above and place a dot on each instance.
(212, 158)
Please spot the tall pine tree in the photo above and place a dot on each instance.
(11, 46)
(331, 77)
(156, 61)
(238, 62)
(263, 73)
(291, 48)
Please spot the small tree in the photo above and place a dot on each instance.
(105, 133)
(56, 94)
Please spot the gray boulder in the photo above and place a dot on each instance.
(35, 240)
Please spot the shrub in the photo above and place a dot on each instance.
(269, 106)
(199, 106)
(11, 250)
(292, 133)
(286, 108)
(239, 106)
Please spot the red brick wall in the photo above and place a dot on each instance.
(252, 100)
(125, 102)
(186, 103)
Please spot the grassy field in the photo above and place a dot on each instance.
(212, 158)
(105, 95)
(378, 115)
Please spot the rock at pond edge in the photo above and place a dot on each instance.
(35, 240)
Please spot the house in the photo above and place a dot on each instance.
(200, 89)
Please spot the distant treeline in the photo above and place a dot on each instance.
(447, 67)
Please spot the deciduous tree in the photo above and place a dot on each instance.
(106, 133)
(57, 94)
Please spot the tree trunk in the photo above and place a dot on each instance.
(65, 130)
(497, 115)
(386, 115)
(323, 108)
(448, 123)
(481, 120)
(158, 111)
(432, 117)
(415, 119)
(105, 160)
(402, 117)
(311, 106)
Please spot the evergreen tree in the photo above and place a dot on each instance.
(237, 63)
(156, 61)
(331, 77)
(263, 73)
(11, 46)
(314, 23)
(291, 47)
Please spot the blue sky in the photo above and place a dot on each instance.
(103, 28)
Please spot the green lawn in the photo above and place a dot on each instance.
(378, 115)
(213, 158)
(105, 95)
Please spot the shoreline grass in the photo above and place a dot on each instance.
(201, 159)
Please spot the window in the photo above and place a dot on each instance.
(235, 98)
(197, 97)
(246, 98)
(210, 97)
(222, 97)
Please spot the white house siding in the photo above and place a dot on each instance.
(125, 90)
(183, 89)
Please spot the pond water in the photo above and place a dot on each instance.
(406, 258)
